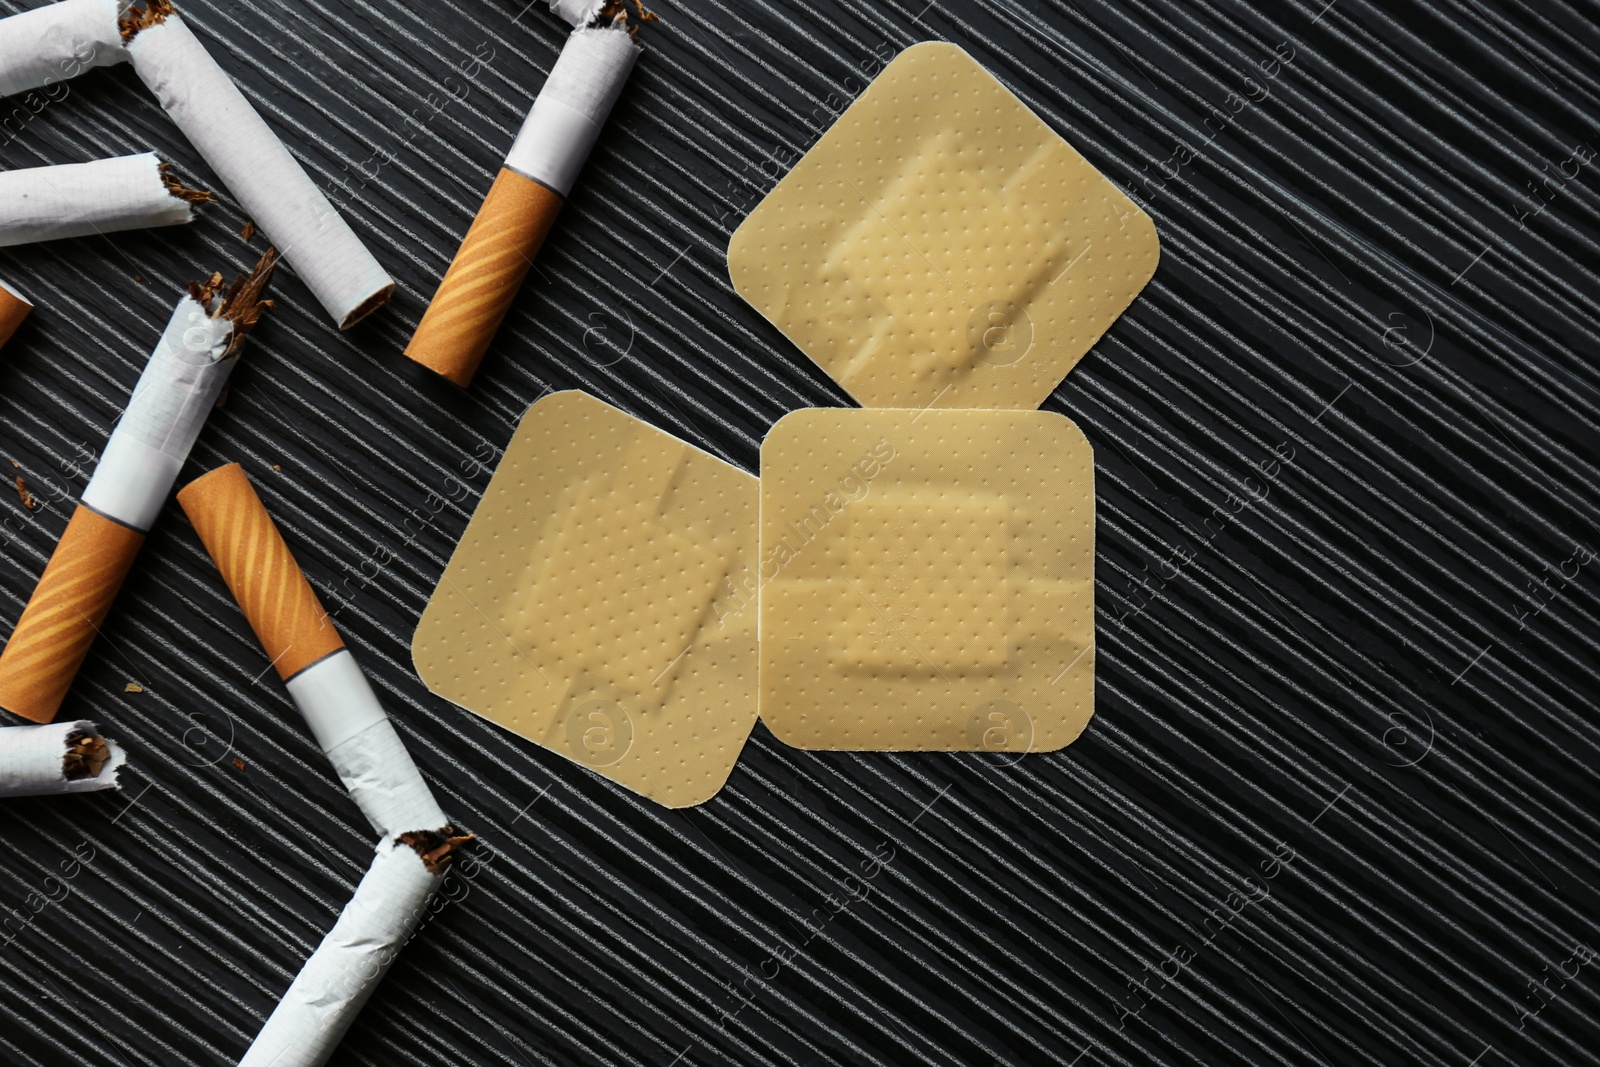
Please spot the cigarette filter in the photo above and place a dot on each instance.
(416, 841)
(176, 392)
(14, 307)
(325, 681)
(79, 199)
(521, 207)
(61, 757)
(270, 185)
(49, 44)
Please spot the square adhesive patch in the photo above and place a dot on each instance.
(927, 580)
(941, 246)
(601, 601)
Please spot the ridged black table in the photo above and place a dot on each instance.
(1338, 802)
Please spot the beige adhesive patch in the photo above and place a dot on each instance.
(941, 246)
(601, 602)
(927, 580)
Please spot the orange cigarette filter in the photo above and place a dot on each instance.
(64, 614)
(484, 277)
(13, 309)
(278, 602)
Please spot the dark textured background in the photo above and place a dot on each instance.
(1353, 674)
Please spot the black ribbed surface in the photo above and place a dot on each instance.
(1350, 332)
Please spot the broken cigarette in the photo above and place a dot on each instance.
(131, 482)
(522, 205)
(271, 187)
(14, 307)
(48, 45)
(416, 841)
(79, 199)
(62, 757)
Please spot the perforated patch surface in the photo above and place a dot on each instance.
(927, 580)
(941, 246)
(602, 602)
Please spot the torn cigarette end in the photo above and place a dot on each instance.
(86, 754)
(436, 847)
(87, 199)
(181, 191)
(615, 11)
(241, 304)
(154, 13)
(57, 759)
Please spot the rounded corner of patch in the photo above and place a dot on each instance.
(788, 424)
(1153, 244)
(417, 666)
(1072, 431)
(1069, 739)
(931, 50)
(556, 400)
(697, 797)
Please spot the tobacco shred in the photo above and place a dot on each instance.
(181, 191)
(86, 754)
(248, 232)
(25, 496)
(154, 13)
(205, 292)
(436, 847)
(613, 12)
(241, 303)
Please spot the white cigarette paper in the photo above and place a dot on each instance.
(344, 715)
(341, 974)
(152, 439)
(252, 162)
(46, 760)
(577, 12)
(338, 703)
(570, 111)
(80, 199)
(46, 46)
